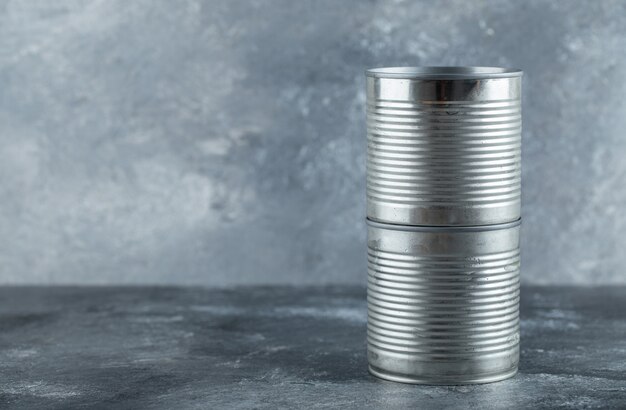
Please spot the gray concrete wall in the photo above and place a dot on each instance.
(223, 142)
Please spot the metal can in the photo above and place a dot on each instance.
(443, 303)
(444, 145)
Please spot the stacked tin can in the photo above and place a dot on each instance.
(443, 209)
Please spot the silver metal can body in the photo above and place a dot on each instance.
(444, 145)
(443, 303)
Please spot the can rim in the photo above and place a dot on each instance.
(445, 229)
(444, 73)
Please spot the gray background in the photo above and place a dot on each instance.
(223, 142)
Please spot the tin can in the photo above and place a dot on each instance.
(444, 145)
(443, 303)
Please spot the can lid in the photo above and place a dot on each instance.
(443, 73)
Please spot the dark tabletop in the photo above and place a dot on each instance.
(280, 347)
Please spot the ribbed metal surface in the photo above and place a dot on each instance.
(443, 303)
(443, 152)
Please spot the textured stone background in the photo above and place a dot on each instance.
(222, 142)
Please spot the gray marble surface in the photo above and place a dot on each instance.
(223, 141)
(280, 347)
